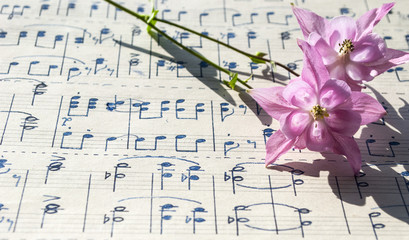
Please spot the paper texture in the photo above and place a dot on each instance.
(110, 133)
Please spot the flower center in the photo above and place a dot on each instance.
(346, 47)
(319, 112)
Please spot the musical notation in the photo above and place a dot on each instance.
(109, 132)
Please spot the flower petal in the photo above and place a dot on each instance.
(300, 94)
(347, 146)
(276, 146)
(314, 71)
(333, 93)
(295, 123)
(301, 141)
(358, 72)
(392, 58)
(318, 137)
(344, 122)
(368, 107)
(271, 100)
(310, 22)
(328, 54)
(343, 28)
(370, 48)
(337, 71)
(367, 21)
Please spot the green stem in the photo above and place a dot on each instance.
(140, 17)
(226, 45)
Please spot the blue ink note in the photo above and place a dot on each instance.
(3, 34)
(391, 144)
(41, 34)
(180, 137)
(230, 35)
(284, 37)
(67, 134)
(143, 109)
(164, 214)
(271, 13)
(50, 209)
(8, 69)
(182, 73)
(14, 12)
(375, 226)
(180, 13)
(94, 7)
(81, 40)
(141, 139)
(98, 62)
(293, 66)
(398, 72)
(44, 7)
(253, 66)
(201, 17)
(104, 35)
(117, 175)
(267, 134)
(159, 63)
(179, 110)
(3, 164)
(234, 177)
(109, 139)
(347, 11)
(39, 89)
(112, 106)
(133, 63)
(165, 169)
(3, 7)
(189, 177)
(2, 207)
(238, 219)
(225, 111)
(70, 6)
(233, 17)
(73, 72)
(115, 219)
(230, 145)
(250, 35)
(74, 106)
(238, 15)
(194, 219)
(29, 124)
(35, 63)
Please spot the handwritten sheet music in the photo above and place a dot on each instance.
(108, 132)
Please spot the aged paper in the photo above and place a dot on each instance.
(108, 132)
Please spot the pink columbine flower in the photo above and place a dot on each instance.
(349, 48)
(317, 112)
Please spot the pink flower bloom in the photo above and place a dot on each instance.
(317, 112)
(349, 48)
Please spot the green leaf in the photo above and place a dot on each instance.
(233, 81)
(151, 19)
(256, 60)
(248, 78)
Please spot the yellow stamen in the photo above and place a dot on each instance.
(319, 112)
(346, 47)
